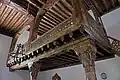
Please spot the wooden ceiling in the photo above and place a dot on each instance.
(61, 11)
(12, 20)
(103, 6)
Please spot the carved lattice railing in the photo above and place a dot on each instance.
(115, 45)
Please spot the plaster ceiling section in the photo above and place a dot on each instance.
(11, 19)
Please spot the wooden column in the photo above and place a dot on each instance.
(34, 69)
(87, 55)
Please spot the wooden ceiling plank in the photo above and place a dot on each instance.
(60, 12)
(48, 25)
(36, 3)
(40, 33)
(47, 22)
(69, 55)
(69, 58)
(15, 21)
(63, 59)
(41, 30)
(2, 9)
(21, 25)
(67, 5)
(6, 18)
(45, 25)
(5, 14)
(47, 19)
(52, 18)
(105, 2)
(57, 18)
(19, 21)
(41, 27)
(63, 8)
(56, 14)
(9, 18)
(12, 20)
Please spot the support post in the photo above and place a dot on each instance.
(87, 55)
(34, 69)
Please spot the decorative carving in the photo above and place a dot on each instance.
(87, 54)
(115, 45)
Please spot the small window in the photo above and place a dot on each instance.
(56, 77)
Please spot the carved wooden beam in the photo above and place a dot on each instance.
(87, 55)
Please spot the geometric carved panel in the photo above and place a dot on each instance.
(116, 45)
(56, 77)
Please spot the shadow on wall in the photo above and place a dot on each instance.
(22, 73)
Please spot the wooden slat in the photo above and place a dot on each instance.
(60, 12)
(44, 28)
(56, 14)
(106, 4)
(49, 20)
(42, 20)
(21, 25)
(15, 21)
(66, 5)
(46, 25)
(52, 17)
(5, 16)
(4, 11)
(12, 21)
(62, 8)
